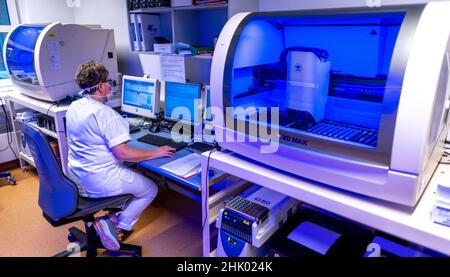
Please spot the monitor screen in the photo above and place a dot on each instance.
(208, 114)
(182, 95)
(140, 96)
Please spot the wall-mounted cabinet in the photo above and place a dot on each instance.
(195, 25)
(199, 27)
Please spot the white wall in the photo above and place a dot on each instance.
(111, 14)
(280, 5)
(107, 13)
(44, 11)
(236, 6)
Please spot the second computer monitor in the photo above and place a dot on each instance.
(207, 106)
(184, 95)
(140, 96)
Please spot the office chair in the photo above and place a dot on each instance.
(60, 202)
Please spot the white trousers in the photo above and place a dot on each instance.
(144, 191)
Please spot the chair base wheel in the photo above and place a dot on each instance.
(11, 180)
(90, 242)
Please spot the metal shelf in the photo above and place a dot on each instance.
(27, 158)
(41, 106)
(57, 112)
(185, 8)
(206, 57)
(411, 224)
(44, 130)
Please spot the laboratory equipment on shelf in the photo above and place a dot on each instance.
(42, 59)
(249, 220)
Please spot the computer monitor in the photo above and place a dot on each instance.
(207, 132)
(186, 95)
(207, 111)
(140, 96)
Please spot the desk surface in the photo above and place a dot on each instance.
(412, 224)
(193, 182)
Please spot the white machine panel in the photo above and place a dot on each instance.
(42, 59)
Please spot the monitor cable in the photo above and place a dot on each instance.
(9, 131)
(216, 148)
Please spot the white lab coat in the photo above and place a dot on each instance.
(93, 129)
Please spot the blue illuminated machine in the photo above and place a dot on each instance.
(352, 98)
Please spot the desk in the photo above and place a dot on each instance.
(411, 224)
(193, 182)
(59, 112)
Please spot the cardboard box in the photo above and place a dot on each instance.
(164, 48)
(181, 3)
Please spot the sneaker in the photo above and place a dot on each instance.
(121, 233)
(107, 232)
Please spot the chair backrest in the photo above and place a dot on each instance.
(58, 195)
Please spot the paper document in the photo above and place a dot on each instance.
(185, 167)
(441, 209)
(173, 68)
(314, 236)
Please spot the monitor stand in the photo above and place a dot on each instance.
(168, 125)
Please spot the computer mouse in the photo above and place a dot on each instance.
(155, 128)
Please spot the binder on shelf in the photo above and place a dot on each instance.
(211, 2)
(149, 27)
(134, 32)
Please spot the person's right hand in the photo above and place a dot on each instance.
(164, 151)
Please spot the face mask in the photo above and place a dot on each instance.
(110, 96)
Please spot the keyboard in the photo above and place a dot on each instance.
(161, 141)
(200, 147)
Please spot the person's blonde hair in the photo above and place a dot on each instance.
(89, 75)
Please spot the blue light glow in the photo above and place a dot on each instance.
(273, 67)
(20, 53)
